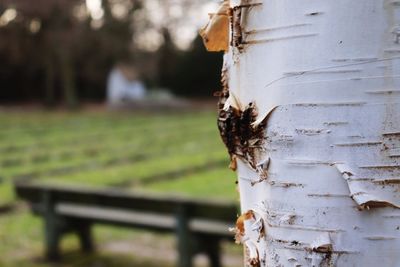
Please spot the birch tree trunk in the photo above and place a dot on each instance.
(310, 115)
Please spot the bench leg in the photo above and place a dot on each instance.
(185, 260)
(85, 237)
(185, 250)
(52, 239)
(185, 242)
(211, 246)
(52, 228)
(214, 253)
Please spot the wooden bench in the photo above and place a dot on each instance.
(199, 225)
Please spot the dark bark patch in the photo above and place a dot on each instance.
(241, 138)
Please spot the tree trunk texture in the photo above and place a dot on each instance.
(49, 84)
(310, 113)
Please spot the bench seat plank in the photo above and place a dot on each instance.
(204, 208)
(139, 219)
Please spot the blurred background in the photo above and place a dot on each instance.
(107, 94)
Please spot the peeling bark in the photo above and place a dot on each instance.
(241, 139)
(249, 224)
(216, 33)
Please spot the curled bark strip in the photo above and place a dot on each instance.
(365, 197)
(252, 254)
(240, 229)
(238, 18)
(322, 244)
(248, 224)
(262, 170)
(237, 35)
(257, 225)
(233, 164)
(216, 33)
(322, 251)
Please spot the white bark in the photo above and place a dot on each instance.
(324, 76)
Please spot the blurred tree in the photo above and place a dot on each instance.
(168, 56)
(56, 45)
(39, 35)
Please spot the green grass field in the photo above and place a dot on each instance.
(174, 153)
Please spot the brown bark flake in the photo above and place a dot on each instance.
(216, 33)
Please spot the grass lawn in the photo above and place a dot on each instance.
(174, 153)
